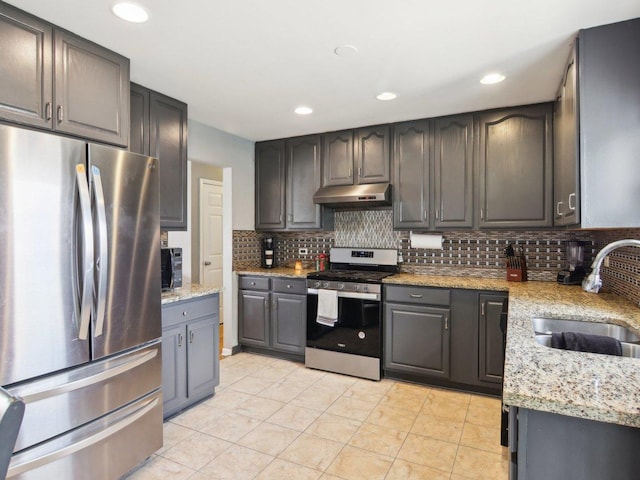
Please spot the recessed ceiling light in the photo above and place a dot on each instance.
(303, 110)
(387, 96)
(492, 78)
(346, 50)
(131, 12)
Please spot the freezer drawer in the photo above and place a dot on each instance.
(102, 450)
(64, 401)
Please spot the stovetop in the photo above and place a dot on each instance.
(350, 276)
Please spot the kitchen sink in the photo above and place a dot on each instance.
(544, 327)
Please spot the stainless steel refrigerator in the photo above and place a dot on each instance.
(80, 319)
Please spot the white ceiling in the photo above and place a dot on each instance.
(244, 65)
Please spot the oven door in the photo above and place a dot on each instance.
(357, 330)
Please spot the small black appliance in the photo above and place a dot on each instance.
(575, 271)
(268, 253)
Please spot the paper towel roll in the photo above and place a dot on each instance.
(432, 242)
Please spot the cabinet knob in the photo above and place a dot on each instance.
(207, 263)
(288, 286)
(185, 313)
(253, 284)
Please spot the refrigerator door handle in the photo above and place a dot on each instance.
(86, 275)
(102, 260)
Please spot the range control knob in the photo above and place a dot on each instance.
(341, 286)
(325, 284)
(365, 288)
(317, 285)
(356, 287)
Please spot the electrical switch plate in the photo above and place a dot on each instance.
(303, 251)
(606, 261)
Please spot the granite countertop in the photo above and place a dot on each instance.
(473, 283)
(188, 291)
(277, 272)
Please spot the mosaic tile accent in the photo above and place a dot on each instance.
(367, 229)
(623, 273)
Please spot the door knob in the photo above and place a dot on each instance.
(207, 263)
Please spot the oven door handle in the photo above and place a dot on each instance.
(359, 295)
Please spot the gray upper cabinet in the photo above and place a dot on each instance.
(566, 178)
(337, 158)
(168, 142)
(26, 69)
(139, 135)
(372, 154)
(303, 180)
(56, 80)
(270, 185)
(453, 171)
(411, 174)
(515, 168)
(608, 125)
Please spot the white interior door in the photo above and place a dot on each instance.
(211, 252)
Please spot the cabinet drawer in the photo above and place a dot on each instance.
(421, 295)
(254, 283)
(189, 309)
(287, 285)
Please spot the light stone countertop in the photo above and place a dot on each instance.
(188, 291)
(277, 272)
(584, 385)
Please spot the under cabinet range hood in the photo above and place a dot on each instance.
(355, 196)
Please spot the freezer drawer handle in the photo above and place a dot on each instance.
(138, 359)
(84, 271)
(102, 262)
(82, 444)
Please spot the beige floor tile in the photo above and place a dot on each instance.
(284, 390)
(307, 375)
(172, 433)
(198, 417)
(317, 397)
(159, 468)
(383, 440)
(406, 400)
(251, 385)
(483, 415)
(352, 407)
(485, 401)
(388, 416)
(357, 464)
(283, 470)
(311, 451)
(294, 416)
(334, 427)
(428, 452)
(257, 407)
(238, 463)
(480, 465)
(231, 427)
(440, 407)
(274, 372)
(197, 450)
(482, 438)
(228, 399)
(368, 389)
(269, 438)
(438, 427)
(326, 476)
(450, 396)
(339, 383)
(402, 470)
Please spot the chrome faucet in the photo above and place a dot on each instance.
(593, 282)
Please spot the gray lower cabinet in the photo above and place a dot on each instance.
(416, 332)
(490, 339)
(272, 314)
(159, 128)
(515, 169)
(190, 356)
(55, 80)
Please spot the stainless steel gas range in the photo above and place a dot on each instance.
(344, 312)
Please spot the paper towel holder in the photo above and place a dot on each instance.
(429, 240)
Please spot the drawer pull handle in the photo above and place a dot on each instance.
(415, 295)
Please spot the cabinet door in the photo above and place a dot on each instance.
(491, 363)
(289, 320)
(372, 155)
(337, 158)
(303, 180)
(25, 68)
(417, 340)
(453, 175)
(168, 143)
(253, 318)
(139, 133)
(270, 185)
(515, 168)
(91, 90)
(201, 347)
(174, 369)
(411, 175)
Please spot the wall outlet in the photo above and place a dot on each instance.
(303, 251)
(606, 261)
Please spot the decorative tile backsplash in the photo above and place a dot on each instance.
(468, 253)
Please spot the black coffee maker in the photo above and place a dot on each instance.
(268, 253)
(575, 271)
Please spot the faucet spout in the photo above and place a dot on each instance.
(593, 282)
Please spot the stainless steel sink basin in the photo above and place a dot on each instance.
(544, 327)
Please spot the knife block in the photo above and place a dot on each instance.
(517, 273)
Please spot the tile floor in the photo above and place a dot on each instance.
(275, 419)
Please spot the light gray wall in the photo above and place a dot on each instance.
(215, 147)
